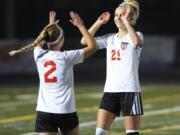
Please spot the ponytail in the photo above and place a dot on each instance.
(51, 34)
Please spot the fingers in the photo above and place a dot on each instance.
(104, 18)
(105, 14)
(71, 21)
(73, 16)
(77, 16)
(75, 19)
(52, 17)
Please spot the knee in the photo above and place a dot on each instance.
(101, 131)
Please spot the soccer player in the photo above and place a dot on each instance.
(56, 100)
(122, 87)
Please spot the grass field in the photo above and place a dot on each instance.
(161, 107)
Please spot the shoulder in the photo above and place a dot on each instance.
(106, 36)
(72, 52)
(140, 34)
(38, 50)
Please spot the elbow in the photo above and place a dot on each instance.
(138, 43)
(93, 47)
(83, 42)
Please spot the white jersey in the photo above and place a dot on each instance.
(55, 68)
(122, 63)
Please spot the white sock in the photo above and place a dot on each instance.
(101, 131)
(131, 130)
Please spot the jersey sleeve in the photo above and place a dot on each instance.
(138, 49)
(141, 36)
(74, 57)
(101, 42)
(38, 52)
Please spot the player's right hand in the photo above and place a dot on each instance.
(52, 17)
(104, 18)
(76, 19)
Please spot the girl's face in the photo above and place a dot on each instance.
(119, 12)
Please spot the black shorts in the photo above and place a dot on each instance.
(130, 103)
(50, 122)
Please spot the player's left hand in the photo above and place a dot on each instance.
(126, 16)
(75, 19)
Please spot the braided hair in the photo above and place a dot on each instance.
(51, 34)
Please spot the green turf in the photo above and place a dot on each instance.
(18, 104)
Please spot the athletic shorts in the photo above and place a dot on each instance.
(129, 103)
(50, 122)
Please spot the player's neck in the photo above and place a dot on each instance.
(56, 48)
(121, 33)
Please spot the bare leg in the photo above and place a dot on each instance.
(132, 122)
(104, 119)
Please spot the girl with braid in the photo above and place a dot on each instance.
(122, 88)
(56, 99)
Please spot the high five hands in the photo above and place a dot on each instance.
(76, 19)
(104, 18)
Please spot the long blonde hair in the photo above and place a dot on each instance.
(135, 5)
(51, 34)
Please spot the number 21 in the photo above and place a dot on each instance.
(115, 55)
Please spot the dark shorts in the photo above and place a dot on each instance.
(129, 103)
(49, 122)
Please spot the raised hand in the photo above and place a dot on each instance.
(75, 19)
(127, 14)
(104, 18)
(52, 17)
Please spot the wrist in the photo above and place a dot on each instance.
(126, 22)
(81, 26)
(98, 23)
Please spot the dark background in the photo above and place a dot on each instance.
(24, 19)
(29, 16)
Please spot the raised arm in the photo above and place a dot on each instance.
(103, 19)
(91, 44)
(38, 40)
(125, 18)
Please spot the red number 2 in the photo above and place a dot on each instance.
(50, 71)
(115, 55)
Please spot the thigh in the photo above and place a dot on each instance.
(132, 122)
(104, 119)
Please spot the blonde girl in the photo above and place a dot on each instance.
(56, 109)
(122, 87)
